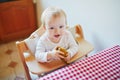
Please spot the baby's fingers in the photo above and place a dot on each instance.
(59, 54)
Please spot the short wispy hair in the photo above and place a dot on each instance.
(52, 12)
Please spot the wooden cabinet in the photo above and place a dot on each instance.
(17, 19)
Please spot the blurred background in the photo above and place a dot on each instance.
(100, 20)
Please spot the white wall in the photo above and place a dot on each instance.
(100, 19)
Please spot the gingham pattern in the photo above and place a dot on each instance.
(105, 65)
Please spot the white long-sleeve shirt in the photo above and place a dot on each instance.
(45, 45)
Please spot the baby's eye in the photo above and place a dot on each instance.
(61, 26)
(51, 28)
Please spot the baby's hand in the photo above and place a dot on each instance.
(62, 53)
(58, 53)
(66, 58)
(54, 54)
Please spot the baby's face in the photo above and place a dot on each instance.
(55, 28)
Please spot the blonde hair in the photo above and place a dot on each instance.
(52, 12)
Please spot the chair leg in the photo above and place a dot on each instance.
(27, 74)
(33, 76)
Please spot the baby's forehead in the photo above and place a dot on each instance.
(54, 17)
(57, 14)
(55, 25)
(60, 19)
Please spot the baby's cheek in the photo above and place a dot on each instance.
(63, 32)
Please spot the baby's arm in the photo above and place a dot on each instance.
(73, 47)
(42, 55)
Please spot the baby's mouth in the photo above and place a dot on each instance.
(56, 35)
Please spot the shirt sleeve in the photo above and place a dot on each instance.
(73, 47)
(40, 53)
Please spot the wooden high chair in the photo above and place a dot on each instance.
(26, 52)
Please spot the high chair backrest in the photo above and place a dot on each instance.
(32, 40)
(29, 46)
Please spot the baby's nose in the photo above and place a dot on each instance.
(57, 30)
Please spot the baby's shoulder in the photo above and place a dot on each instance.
(43, 37)
(67, 33)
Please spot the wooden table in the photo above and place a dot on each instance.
(104, 65)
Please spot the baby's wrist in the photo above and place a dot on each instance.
(69, 54)
(50, 55)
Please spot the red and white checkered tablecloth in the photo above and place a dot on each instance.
(104, 65)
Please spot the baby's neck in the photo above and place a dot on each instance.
(54, 41)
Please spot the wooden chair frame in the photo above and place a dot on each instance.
(35, 67)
